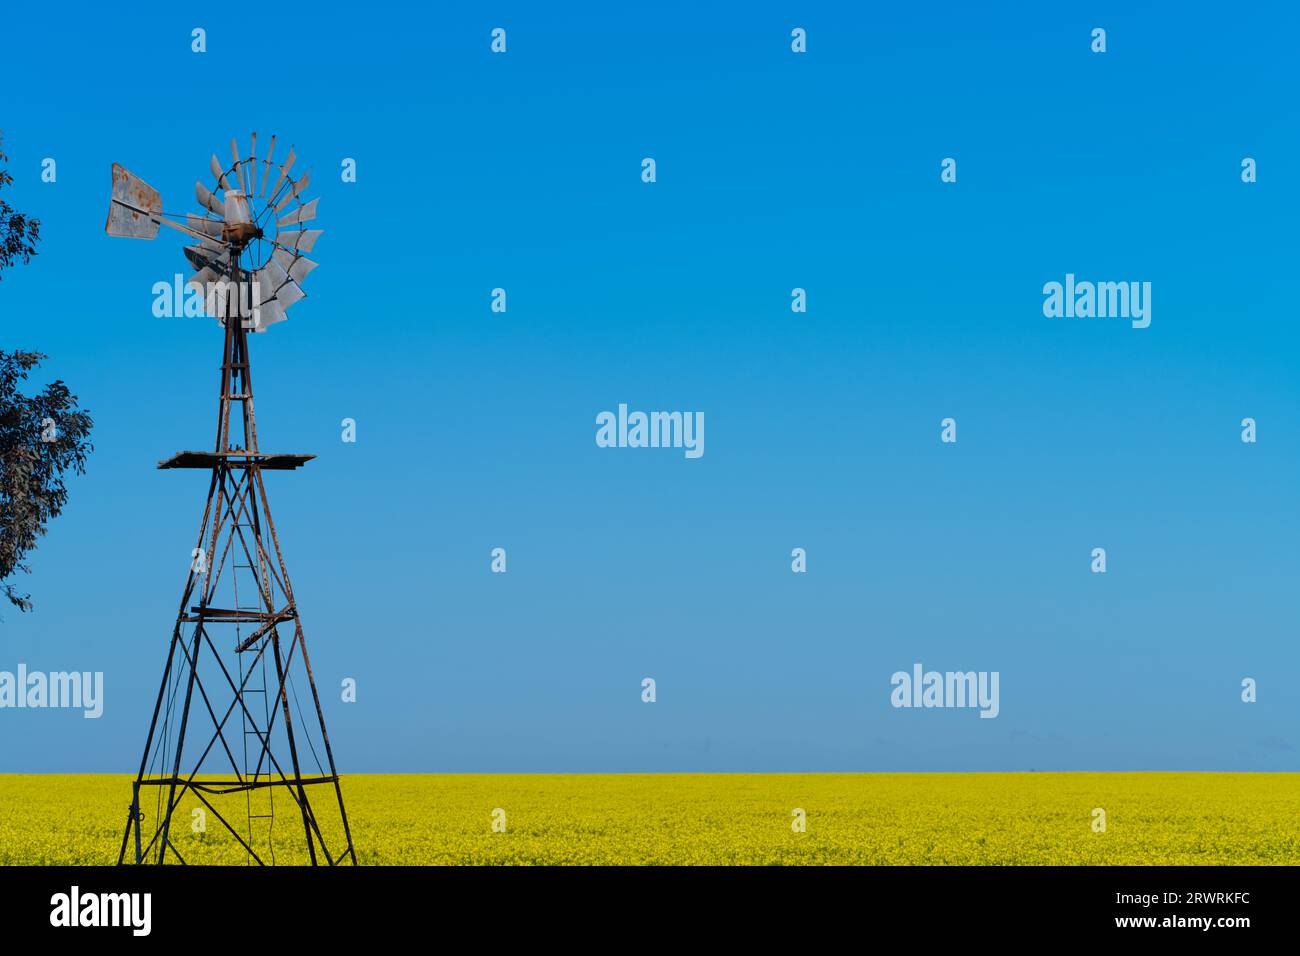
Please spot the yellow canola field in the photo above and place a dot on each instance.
(980, 818)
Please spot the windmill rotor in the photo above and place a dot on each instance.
(250, 229)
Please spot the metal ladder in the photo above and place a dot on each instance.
(259, 803)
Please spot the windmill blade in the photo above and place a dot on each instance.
(284, 171)
(204, 256)
(300, 240)
(281, 262)
(201, 258)
(297, 267)
(298, 187)
(274, 283)
(213, 247)
(202, 277)
(283, 258)
(301, 214)
(206, 198)
(205, 226)
(217, 171)
(135, 209)
(241, 176)
(266, 170)
(268, 313)
(226, 298)
(302, 265)
(289, 293)
(274, 275)
(252, 167)
(263, 286)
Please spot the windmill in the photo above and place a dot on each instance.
(230, 751)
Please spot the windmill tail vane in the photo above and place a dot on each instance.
(237, 753)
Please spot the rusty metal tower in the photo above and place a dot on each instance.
(232, 758)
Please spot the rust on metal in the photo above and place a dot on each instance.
(135, 210)
(234, 459)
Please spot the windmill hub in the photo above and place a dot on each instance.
(239, 229)
(240, 234)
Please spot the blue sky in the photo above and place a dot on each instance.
(775, 170)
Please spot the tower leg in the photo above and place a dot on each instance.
(180, 746)
(293, 746)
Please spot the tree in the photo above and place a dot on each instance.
(42, 436)
(18, 232)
